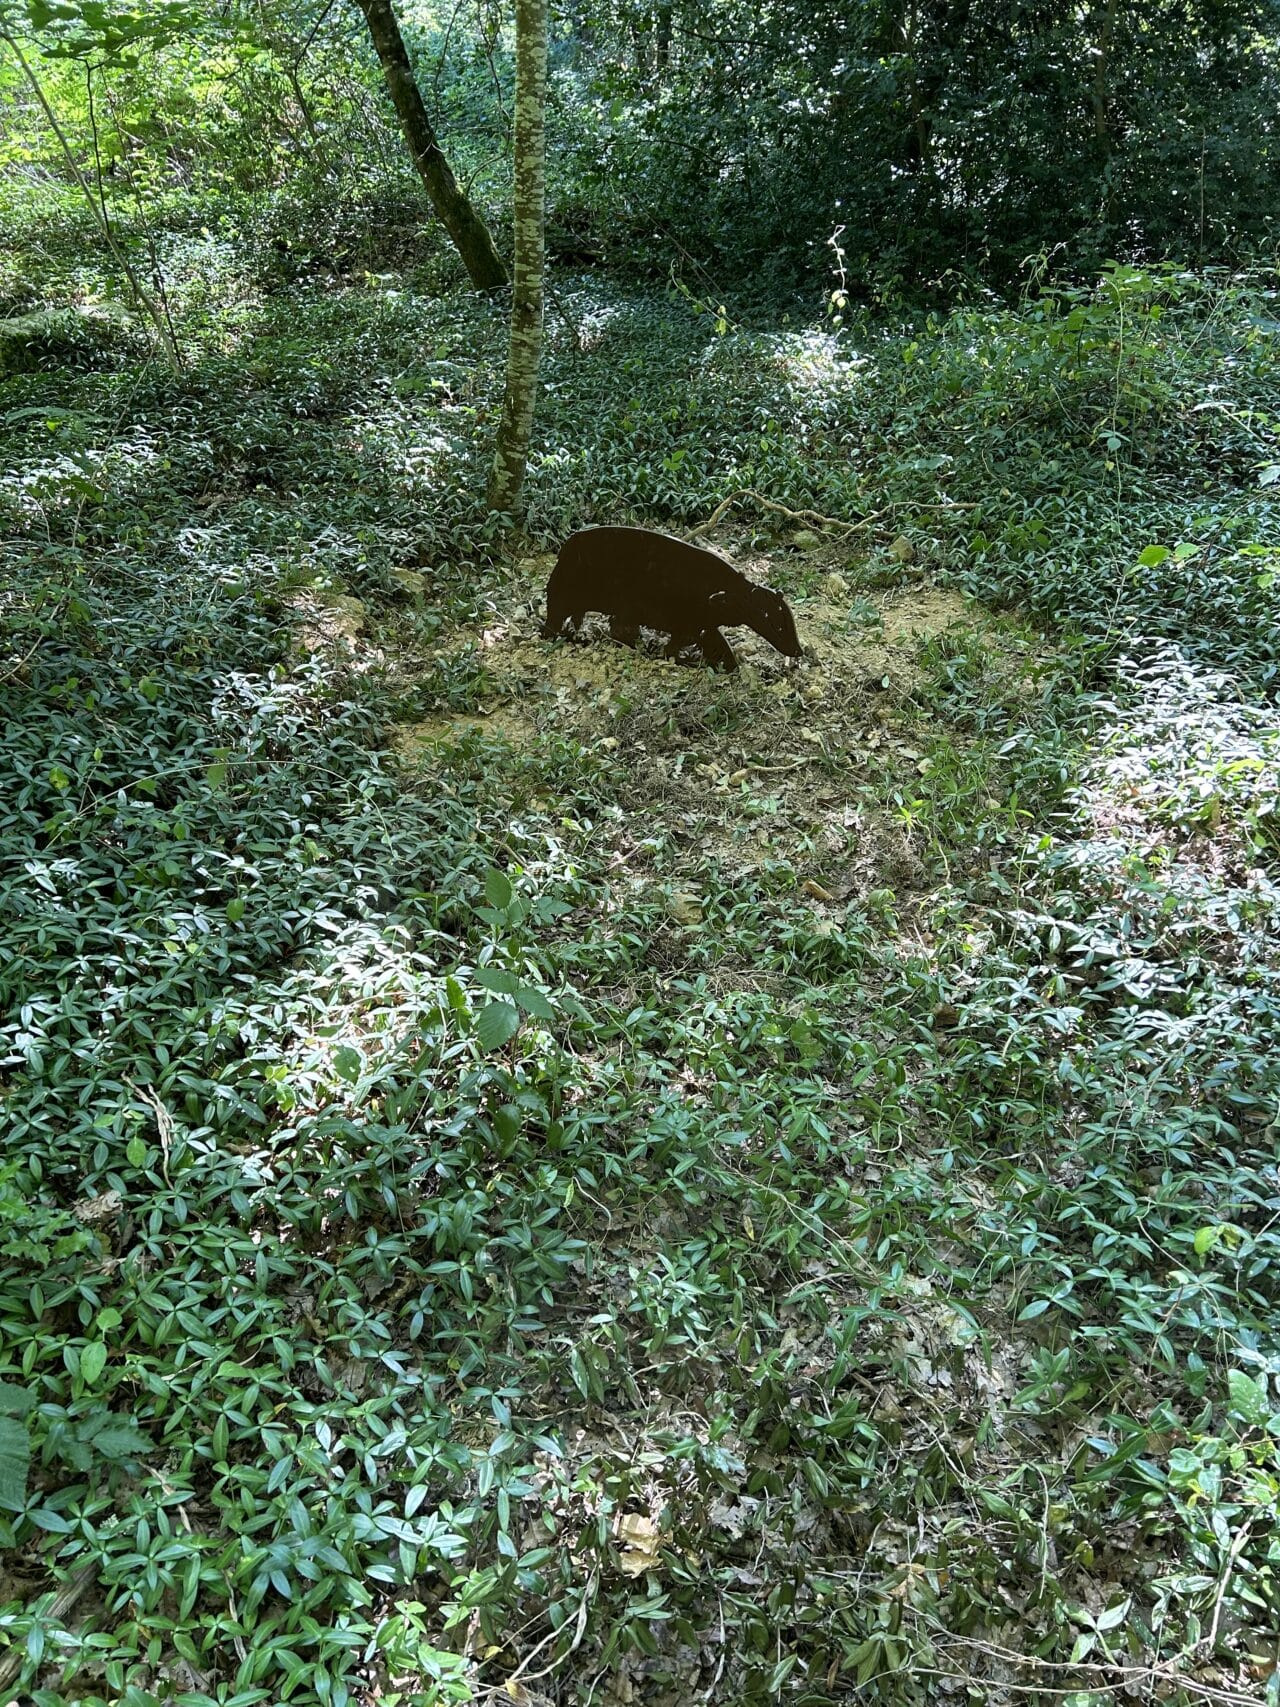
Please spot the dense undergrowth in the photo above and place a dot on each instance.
(483, 1225)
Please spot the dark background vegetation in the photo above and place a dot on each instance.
(946, 143)
(532, 1173)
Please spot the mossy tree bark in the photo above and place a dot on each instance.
(468, 230)
(516, 427)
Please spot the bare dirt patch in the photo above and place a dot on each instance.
(580, 687)
(330, 624)
(776, 761)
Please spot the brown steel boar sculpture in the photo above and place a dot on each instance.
(638, 578)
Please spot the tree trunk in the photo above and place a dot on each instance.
(469, 232)
(516, 426)
(1101, 68)
(919, 122)
(662, 38)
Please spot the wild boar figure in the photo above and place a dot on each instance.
(638, 578)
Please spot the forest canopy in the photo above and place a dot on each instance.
(944, 142)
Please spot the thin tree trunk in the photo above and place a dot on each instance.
(662, 38)
(469, 232)
(1101, 67)
(919, 123)
(516, 426)
(1098, 101)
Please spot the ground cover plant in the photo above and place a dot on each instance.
(528, 1162)
(537, 1173)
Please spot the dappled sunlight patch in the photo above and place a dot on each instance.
(584, 322)
(1188, 757)
(419, 740)
(812, 360)
(851, 643)
(414, 455)
(1162, 907)
(1152, 918)
(770, 762)
(203, 268)
(872, 642)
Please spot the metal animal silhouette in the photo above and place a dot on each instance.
(638, 578)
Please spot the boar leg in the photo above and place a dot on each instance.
(716, 649)
(557, 616)
(679, 643)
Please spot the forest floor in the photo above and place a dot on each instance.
(541, 1173)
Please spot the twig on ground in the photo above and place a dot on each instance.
(781, 509)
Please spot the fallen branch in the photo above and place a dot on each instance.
(817, 519)
(812, 516)
(1109, 1676)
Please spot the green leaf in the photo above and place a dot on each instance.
(1248, 1398)
(347, 1063)
(15, 1457)
(1152, 556)
(497, 889)
(781, 1672)
(496, 1024)
(578, 1373)
(235, 909)
(528, 996)
(495, 979)
(15, 1401)
(121, 1440)
(93, 1360)
(136, 1152)
(59, 778)
(534, 1002)
(52, 1522)
(1112, 1616)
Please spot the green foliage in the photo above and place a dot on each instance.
(15, 1446)
(454, 1208)
(104, 30)
(939, 142)
(935, 149)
